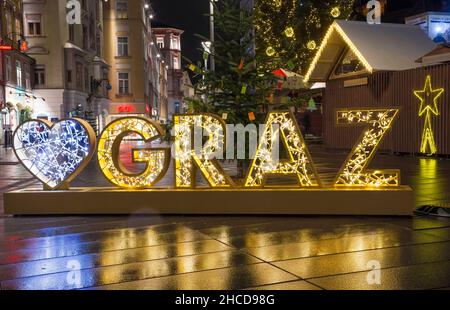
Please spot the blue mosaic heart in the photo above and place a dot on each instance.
(56, 153)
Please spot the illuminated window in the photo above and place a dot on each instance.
(175, 43)
(349, 65)
(122, 9)
(124, 83)
(19, 74)
(122, 46)
(160, 42)
(176, 63)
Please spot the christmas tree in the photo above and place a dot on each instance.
(240, 86)
(290, 31)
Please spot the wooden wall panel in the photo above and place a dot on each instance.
(390, 89)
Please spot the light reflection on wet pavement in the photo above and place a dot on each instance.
(229, 252)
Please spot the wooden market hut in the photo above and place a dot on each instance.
(369, 66)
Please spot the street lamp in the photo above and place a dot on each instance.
(211, 27)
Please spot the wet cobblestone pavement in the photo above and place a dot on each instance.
(217, 252)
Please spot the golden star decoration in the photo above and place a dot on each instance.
(428, 98)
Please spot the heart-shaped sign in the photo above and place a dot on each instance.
(55, 153)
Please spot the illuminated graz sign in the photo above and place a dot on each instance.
(57, 153)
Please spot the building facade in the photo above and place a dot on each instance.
(134, 64)
(70, 75)
(168, 40)
(90, 59)
(17, 101)
(158, 84)
(435, 24)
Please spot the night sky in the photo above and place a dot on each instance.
(187, 15)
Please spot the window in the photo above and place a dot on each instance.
(39, 76)
(69, 76)
(175, 43)
(19, 74)
(34, 24)
(86, 80)
(79, 75)
(176, 63)
(121, 9)
(98, 45)
(348, 65)
(9, 26)
(160, 42)
(27, 78)
(124, 83)
(18, 28)
(105, 85)
(122, 46)
(71, 32)
(85, 37)
(8, 72)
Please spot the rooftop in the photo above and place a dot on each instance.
(440, 54)
(384, 47)
(161, 25)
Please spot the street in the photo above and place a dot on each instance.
(217, 252)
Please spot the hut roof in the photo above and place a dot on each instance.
(383, 47)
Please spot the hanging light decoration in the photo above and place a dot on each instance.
(270, 51)
(335, 12)
(289, 32)
(311, 45)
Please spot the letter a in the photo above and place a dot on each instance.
(74, 14)
(299, 164)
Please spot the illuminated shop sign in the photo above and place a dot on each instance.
(6, 47)
(126, 108)
(57, 153)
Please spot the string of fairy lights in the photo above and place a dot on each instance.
(289, 31)
(54, 154)
(187, 159)
(354, 172)
(156, 160)
(299, 164)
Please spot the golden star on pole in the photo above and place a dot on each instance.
(428, 98)
(428, 105)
